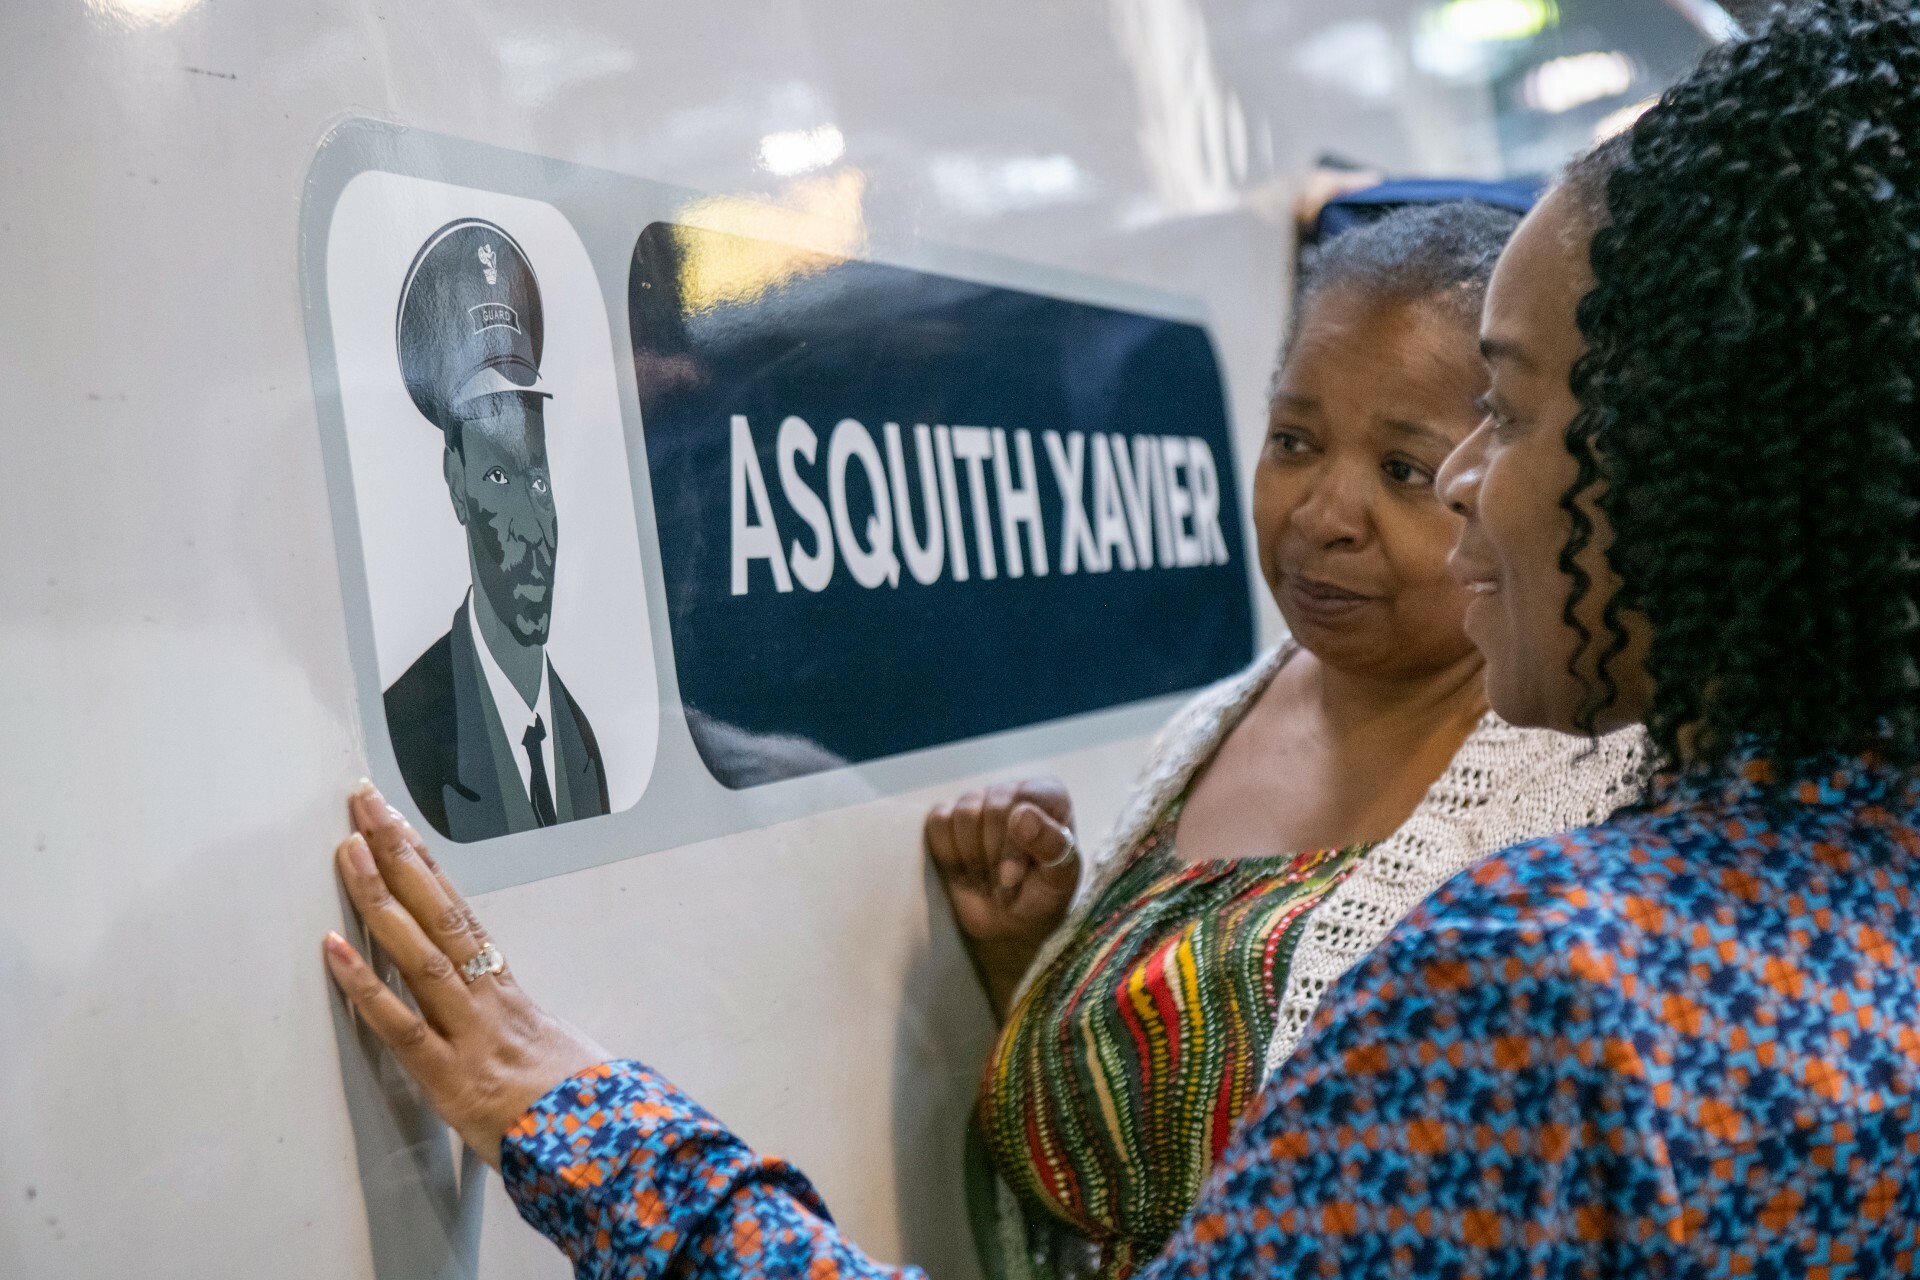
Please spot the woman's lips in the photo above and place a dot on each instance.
(1322, 602)
(1479, 589)
(1473, 579)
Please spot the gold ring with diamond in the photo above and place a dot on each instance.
(487, 961)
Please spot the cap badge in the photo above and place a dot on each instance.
(487, 262)
(493, 315)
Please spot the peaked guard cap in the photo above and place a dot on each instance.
(469, 321)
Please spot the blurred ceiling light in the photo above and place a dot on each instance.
(1356, 57)
(801, 150)
(1487, 21)
(1466, 40)
(1622, 120)
(144, 13)
(984, 187)
(1566, 83)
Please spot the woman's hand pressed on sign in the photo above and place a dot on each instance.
(480, 1048)
(1009, 862)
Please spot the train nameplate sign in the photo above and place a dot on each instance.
(662, 515)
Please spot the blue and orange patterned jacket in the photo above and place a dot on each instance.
(1683, 1043)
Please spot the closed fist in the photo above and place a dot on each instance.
(1009, 862)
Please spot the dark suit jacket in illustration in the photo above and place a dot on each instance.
(455, 757)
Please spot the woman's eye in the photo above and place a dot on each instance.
(1402, 472)
(495, 475)
(539, 484)
(1287, 441)
(1501, 422)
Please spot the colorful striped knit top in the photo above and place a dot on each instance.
(1121, 1073)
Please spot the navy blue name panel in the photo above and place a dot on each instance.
(898, 509)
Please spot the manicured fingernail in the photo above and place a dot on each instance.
(336, 947)
(1026, 826)
(368, 804)
(359, 856)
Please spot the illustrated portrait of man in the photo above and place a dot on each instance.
(488, 739)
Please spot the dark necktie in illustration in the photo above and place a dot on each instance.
(487, 737)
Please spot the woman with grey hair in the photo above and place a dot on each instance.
(1289, 817)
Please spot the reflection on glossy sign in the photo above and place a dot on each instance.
(899, 509)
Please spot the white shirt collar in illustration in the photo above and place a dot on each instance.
(516, 717)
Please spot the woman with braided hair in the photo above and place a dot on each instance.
(1685, 1041)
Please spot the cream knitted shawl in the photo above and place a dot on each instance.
(1504, 786)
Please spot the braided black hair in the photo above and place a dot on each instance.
(1748, 420)
(1441, 253)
